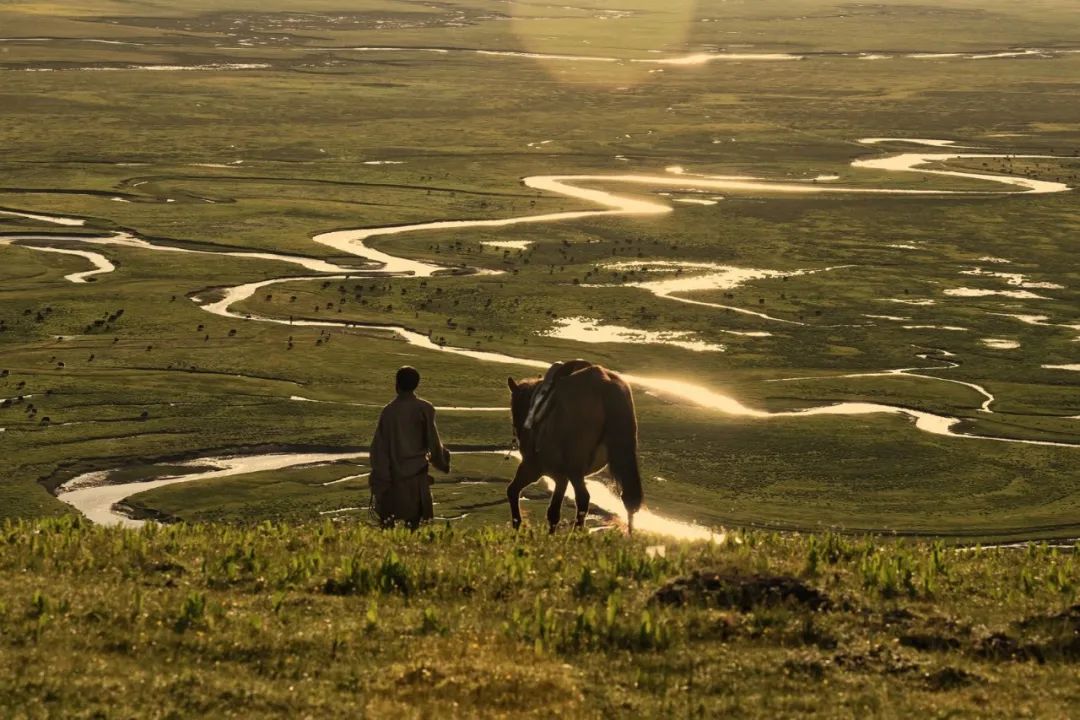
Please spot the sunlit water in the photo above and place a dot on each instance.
(591, 330)
(96, 502)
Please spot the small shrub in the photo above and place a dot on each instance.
(192, 612)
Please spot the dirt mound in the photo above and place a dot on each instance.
(740, 591)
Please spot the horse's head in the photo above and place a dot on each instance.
(520, 396)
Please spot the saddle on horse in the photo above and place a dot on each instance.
(541, 399)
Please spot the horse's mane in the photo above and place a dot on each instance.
(520, 398)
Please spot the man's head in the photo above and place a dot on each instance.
(407, 379)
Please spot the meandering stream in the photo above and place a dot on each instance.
(96, 502)
(93, 496)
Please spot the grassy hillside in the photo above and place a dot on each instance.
(333, 620)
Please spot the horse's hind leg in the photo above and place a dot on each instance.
(581, 499)
(555, 508)
(526, 475)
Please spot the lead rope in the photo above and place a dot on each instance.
(372, 515)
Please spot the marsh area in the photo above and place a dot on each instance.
(833, 250)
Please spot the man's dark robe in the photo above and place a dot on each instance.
(406, 441)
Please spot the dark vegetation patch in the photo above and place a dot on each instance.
(897, 616)
(929, 642)
(1001, 646)
(880, 659)
(950, 678)
(1068, 620)
(1039, 638)
(811, 669)
(740, 591)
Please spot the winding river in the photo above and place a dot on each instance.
(96, 502)
(95, 498)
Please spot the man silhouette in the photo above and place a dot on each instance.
(406, 442)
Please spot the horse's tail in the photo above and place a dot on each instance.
(620, 436)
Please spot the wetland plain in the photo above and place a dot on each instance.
(835, 251)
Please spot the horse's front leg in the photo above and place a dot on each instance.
(581, 499)
(555, 508)
(526, 475)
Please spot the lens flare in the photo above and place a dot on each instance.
(595, 42)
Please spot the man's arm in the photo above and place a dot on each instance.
(440, 456)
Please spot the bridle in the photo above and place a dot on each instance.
(514, 446)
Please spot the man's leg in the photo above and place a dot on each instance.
(414, 489)
(384, 509)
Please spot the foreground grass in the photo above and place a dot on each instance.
(340, 619)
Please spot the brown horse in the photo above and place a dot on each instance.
(589, 423)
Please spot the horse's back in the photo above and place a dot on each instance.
(598, 386)
(592, 378)
(573, 439)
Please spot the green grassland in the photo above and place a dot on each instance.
(335, 619)
(167, 382)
